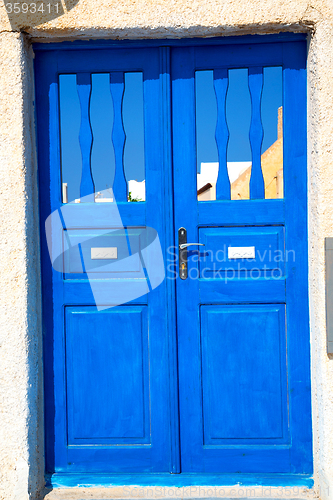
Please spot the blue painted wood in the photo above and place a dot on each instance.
(289, 459)
(87, 188)
(236, 378)
(77, 292)
(238, 56)
(157, 215)
(183, 480)
(295, 185)
(202, 451)
(106, 215)
(107, 361)
(244, 212)
(171, 266)
(128, 259)
(257, 184)
(44, 153)
(186, 209)
(59, 294)
(207, 57)
(117, 86)
(269, 251)
(222, 134)
(230, 40)
(239, 290)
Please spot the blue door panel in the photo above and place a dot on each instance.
(229, 289)
(232, 459)
(79, 245)
(243, 325)
(107, 368)
(106, 371)
(268, 260)
(244, 384)
(248, 212)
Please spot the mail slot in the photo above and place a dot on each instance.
(248, 251)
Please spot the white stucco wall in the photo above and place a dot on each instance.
(21, 421)
(320, 189)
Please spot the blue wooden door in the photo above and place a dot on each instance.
(242, 319)
(143, 374)
(106, 338)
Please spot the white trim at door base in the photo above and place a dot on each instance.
(194, 492)
(194, 486)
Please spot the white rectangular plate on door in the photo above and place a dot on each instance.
(104, 253)
(241, 252)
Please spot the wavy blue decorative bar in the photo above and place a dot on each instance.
(222, 134)
(117, 87)
(87, 188)
(257, 184)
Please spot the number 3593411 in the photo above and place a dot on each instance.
(32, 8)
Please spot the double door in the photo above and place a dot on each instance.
(175, 294)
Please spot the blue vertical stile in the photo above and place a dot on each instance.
(222, 133)
(257, 184)
(117, 87)
(85, 137)
(165, 61)
(295, 193)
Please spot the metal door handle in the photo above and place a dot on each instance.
(182, 247)
(185, 245)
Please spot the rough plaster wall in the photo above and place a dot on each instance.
(167, 18)
(21, 448)
(320, 105)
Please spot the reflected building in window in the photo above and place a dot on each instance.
(272, 169)
(240, 172)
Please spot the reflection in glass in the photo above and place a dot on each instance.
(101, 117)
(133, 119)
(238, 110)
(238, 116)
(102, 153)
(206, 116)
(70, 117)
(272, 147)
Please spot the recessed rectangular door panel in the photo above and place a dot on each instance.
(244, 389)
(107, 360)
(251, 252)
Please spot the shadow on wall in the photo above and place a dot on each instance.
(29, 13)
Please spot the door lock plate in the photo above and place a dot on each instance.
(182, 239)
